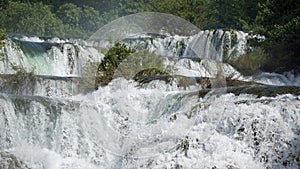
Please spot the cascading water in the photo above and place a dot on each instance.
(123, 126)
(46, 121)
(45, 58)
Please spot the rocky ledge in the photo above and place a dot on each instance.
(259, 90)
(9, 161)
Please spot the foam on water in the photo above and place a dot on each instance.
(124, 125)
(49, 58)
(155, 125)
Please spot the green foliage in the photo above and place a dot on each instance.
(38, 19)
(69, 14)
(138, 61)
(26, 18)
(195, 11)
(184, 145)
(3, 36)
(233, 38)
(251, 62)
(110, 63)
(149, 74)
(90, 20)
(110, 15)
(279, 21)
(234, 14)
(79, 22)
(3, 4)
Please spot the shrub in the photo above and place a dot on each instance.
(137, 62)
(147, 75)
(113, 57)
(251, 63)
(3, 36)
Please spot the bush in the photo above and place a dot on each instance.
(251, 63)
(30, 18)
(3, 36)
(147, 75)
(137, 62)
(113, 57)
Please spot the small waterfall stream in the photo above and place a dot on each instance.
(46, 121)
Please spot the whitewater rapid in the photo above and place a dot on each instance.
(123, 125)
(51, 119)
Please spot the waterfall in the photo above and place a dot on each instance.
(217, 45)
(124, 126)
(46, 57)
(48, 118)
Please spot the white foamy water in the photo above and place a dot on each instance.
(123, 125)
(46, 124)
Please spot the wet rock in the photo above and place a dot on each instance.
(10, 161)
(24, 83)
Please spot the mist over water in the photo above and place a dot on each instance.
(47, 121)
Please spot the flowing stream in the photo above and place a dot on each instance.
(47, 121)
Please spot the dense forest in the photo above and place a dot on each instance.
(277, 20)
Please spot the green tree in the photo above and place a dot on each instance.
(27, 18)
(90, 20)
(79, 22)
(69, 14)
(111, 15)
(279, 22)
(38, 19)
(194, 11)
(3, 4)
(113, 57)
(234, 14)
(3, 36)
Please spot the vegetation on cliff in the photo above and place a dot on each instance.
(278, 21)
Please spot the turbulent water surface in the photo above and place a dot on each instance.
(51, 118)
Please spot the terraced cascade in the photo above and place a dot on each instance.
(175, 102)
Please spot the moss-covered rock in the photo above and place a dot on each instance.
(10, 161)
(206, 83)
(272, 91)
(87, 82)
(259, 91)
(231, 82)
(148, 75)
(184, 145)
(19, 80)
